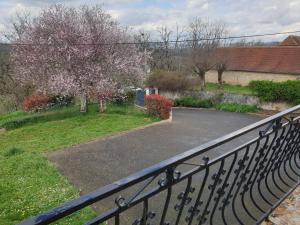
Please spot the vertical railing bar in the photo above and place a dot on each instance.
(273, 157)
(254, 171)
(169, 179)
(295, 159)
(229, 194)
(186, 193)
(248, 181)
(279, 165)
(245, 157)
(223, 188)
(213, 187)
(294, 153)
(277, 168)
(297, 152)
(195, 207)
(263, 167)
(145, 212)
(289, 154)
(117, 219)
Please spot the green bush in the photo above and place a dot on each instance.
(288, 91)
(235, 107)
(195, 102)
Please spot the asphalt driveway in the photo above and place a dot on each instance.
(98, 163)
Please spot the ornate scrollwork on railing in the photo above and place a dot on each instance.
(241, 186)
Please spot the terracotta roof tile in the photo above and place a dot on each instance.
(279, 59)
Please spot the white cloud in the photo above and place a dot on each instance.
(241, 17)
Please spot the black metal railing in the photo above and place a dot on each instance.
(259, 169)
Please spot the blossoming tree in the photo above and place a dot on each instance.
(75, 51)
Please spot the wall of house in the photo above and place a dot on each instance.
(243, 78)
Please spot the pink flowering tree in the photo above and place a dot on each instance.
(76, 51)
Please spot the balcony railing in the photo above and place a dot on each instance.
(201, 186)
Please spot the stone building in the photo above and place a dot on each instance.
(276, 63)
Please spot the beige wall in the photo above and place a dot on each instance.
(243, 78)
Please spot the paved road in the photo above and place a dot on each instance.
(93, 165)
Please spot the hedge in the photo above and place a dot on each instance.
(158, 105)
(194, 102)
(288, 91)
(235, 107)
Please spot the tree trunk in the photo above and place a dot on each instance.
(220, 77)
(202, 81)
(102, 105)
(83, 102)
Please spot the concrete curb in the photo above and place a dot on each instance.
(183, 107)
(213, 109)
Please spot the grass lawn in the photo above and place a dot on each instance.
(29, 183)
(228, 88)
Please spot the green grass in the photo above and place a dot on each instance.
(233, 89)
(234, 107)
(29, 183)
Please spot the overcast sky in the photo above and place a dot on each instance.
(241, 16)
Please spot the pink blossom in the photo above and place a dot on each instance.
(73, 51)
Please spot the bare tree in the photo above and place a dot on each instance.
(221, 60)
(167, 54)
(178, 49)
(143, 39)
(205, 38)
(164, 51)
(178, 36)
(221, 66)
(246, 43)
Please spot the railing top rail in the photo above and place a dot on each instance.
(158, 168)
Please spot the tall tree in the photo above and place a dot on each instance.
(205, 39)
(74, 51)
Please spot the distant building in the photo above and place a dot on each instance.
(291, 40)
(277, 63)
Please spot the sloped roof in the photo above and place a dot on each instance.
(291, 40)
(279, 59)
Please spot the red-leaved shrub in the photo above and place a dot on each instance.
(158, 105)
(35, 102)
